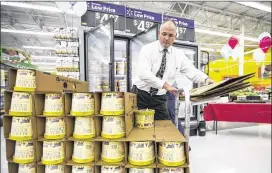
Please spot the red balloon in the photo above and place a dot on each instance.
(233, 41)
(265, 44)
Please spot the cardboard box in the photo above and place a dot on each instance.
(7, 102)
(39, 149)
(165, 131)
(39, 103)
(40, 168)
(41, 124)
(138, 134)
(8, 123)
(10, 150)
(98, 152)
(46, 82)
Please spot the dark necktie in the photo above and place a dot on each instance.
(154, 91)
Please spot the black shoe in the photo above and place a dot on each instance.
(189, 148)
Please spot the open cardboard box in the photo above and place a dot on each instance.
(41, 124)
(47, 82)
(98, 152)
(70, 149)
(165, 131)
(39, 101)
(39, 149)
(8, 123)
(7, 102)
(40, 168)
(139, 134)
(10, 150)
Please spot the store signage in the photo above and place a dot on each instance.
(133, 20)
(141, 14)
(185, 23)
(106, 8)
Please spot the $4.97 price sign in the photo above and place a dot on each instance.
(142, 25)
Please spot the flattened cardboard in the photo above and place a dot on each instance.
(8, 123)
(138, 134)
(39, 149)
(46, 82)
(41, 123)
(165, 131)
(7, 102)
(39, 102)
(10, 150)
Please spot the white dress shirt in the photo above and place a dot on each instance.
(177, 64)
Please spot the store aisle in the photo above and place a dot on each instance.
(240, 150)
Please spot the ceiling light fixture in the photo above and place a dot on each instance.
(36, 7)
(38, 47)
(27, 32)
(256, 5)
(222, 34)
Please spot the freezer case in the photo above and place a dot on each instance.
(99, 57)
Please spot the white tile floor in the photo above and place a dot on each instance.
(239, 150)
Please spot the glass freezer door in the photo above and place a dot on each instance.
(136, 43)
(99, 57)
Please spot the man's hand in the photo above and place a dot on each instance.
(170, 88)
(209, 81)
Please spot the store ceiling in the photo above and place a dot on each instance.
(215, 16)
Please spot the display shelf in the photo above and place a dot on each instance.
(120, 59)
(120, 76)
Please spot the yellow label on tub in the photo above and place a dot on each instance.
(25, 79)
(26, 168)
(54, 128)
(82, 102)
(171, 170)
(141, 170)
(171, 152)
(84, 127)
(82, 169)
(83, 151)
(21, 128)
(53, 151)
(21, 102)
(141, 151)
(53, 103)
(54, 168)
(113, 150)
(111, 169)
(24, 152)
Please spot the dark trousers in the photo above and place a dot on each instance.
(156, 102)
(171, 103)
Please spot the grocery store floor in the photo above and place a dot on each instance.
(239, 150)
